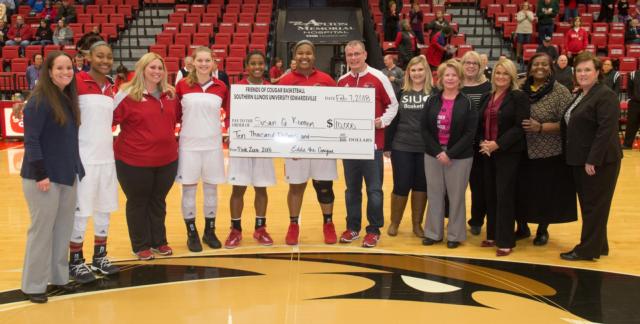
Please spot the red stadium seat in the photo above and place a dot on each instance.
(111, 30)
(32, 50)
(241, 39)
(247, 17)
(10, 52)
(220, 51)
(226, 28)
(171, 28)
(100, 19)
(164, 38)
(126, 10)
(201, 39)
(616, 51)
(633, 51)
(118, 19)
(239, 50)
(48, 49)
(223, 38)
(188, 28)
(108, 9)
(198, 8)
(259, 38)
(528, 50)
(233, 8)
(19, 64)
(493, 9)
(628, 64)
(193, 18)
(234, 65)
(230, 17)
(92, 9)
(599, 40)
(462, 49)
(177, 17)
(210, 17)
(214, 8)
(70, 50)
(261, 28)
(243, 28)
(183, 39)
(159, 49)
(176, 50)
(206, 28)
(84, 18)
(616, 39)
(600, 27)
(258, 47)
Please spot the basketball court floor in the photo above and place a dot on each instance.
(400, 281)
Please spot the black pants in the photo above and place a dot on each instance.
(595, 194)
(408, 172)
(633, 119)
(478, 196)
(500, 179)
(146, 189)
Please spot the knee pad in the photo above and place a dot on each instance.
(210, 200)
(79, 229)
(101, 224)
(189, 202)
(324, 191)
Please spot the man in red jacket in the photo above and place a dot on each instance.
(386, 106)
(19, 34)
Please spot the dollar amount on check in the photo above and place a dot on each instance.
(302, 122)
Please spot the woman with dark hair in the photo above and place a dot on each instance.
(49, 12)
(546, 192)
(50, 170)
(62, 35)
(592, 149)
(44, 34)
(405, 43)
(416, 17)
(502, 143)
(438, 46)
(277, 70)
(576, 39)
(391, 19)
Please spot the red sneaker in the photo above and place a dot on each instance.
(370, 240)
(349, 236)
(162, 250)
(262, 236)
(144, 255)
(292, 234)
(329, 232)
(233, 240)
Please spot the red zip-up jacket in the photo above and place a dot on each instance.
(575, 41)
(147, 129)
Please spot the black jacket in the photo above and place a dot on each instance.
(464, 121)
(592, 134)
(50, 150)
(633, 86)
(515, 108)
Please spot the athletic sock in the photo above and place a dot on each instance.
(328, 218)
(191, 227)
(236, 224)
(209, 224)
(99, 246)
(75, 252)
(260, 221)
(294, 219)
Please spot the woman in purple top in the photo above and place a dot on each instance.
(448, 125)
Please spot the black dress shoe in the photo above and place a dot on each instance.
(541, 239)
(522, 234)
(428, 241)
(452, 244)
(475, 230)
(573, 256)
(37, 298)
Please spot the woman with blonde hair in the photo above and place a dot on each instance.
(405, 147)
(200, 146)
(146, 153)
(448, 126)
(475, 85)
(502, 143)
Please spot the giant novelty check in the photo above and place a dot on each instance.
(302, 122)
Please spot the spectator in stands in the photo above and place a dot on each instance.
(357, 171)
(570, 9)
(219, 74)
(610, 77)
(185, 69)
(67, 12)
(406, 43)
(393, 72)
(484, 62)
(606, 11)
(564, 73)
(391, 19)
(79, 64)
(592, 149)
(49, 12)
(576, 39)
(632, 34)
(546, 11)
(292, 66)
(89, 38)
(19, 34)
(416, 16)
(633, 112)
(405, 146)
(547, 47)
(546, 193)
(4, 32)
(438, 46)
(50, 170)
(475, 85)
(448, 126)
(146, 153)
(123, 75)
(36, 7)
(437, 24)
(623, 11)
(33, 71)
(502, 143)
(44, 34)
(277, 70)
(525, 19)
(10, 7)
(62, 35)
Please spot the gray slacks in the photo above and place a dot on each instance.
(451, 180)
(46, 255)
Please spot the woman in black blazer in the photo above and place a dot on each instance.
(592, 149)
(502, 143)
(448, 125)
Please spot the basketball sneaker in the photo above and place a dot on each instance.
(162, 250)
(349, 236)
(329, 231)
(292, 234)
(233, 241)
(262, 236)
(144, 255)
(370, 240)
(103, 265)
(211, 239)
(80, 272)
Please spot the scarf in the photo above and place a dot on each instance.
(534, 96)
